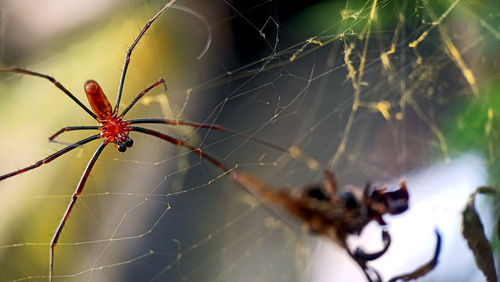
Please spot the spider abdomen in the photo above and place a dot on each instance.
(98, 101)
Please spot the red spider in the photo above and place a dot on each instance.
(114, 129)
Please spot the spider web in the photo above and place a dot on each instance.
(373, 90)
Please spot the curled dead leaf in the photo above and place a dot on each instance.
(473, 232)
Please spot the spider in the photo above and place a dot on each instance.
(113, 128)
(336, 216)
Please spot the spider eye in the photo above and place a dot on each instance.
(349, 200)
(129, 142)
(122, 147)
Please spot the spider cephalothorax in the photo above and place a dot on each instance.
(115, 130)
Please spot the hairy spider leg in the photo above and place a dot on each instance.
(78, 191)
(330, 184)
(54, 81)
(211, 126)
(51, 157)
(362, 255)
(424, 269)
(129, 52)
(180, 143)
(370, 273)
(178, 122)
(71, 128)
(362, 259)
(143, 92)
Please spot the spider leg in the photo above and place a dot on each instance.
(371, 274)
(129, 52)
(177, 122)
(361, 255)
(55, 82)
(209, 126)
(423, 269)
(70, 128)
(143, 92)
(51, 157)
(78, 191)
(362, 258)
(178, 142)
(269, 196)
(330, 183)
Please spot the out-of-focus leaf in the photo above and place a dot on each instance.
(473, 232)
